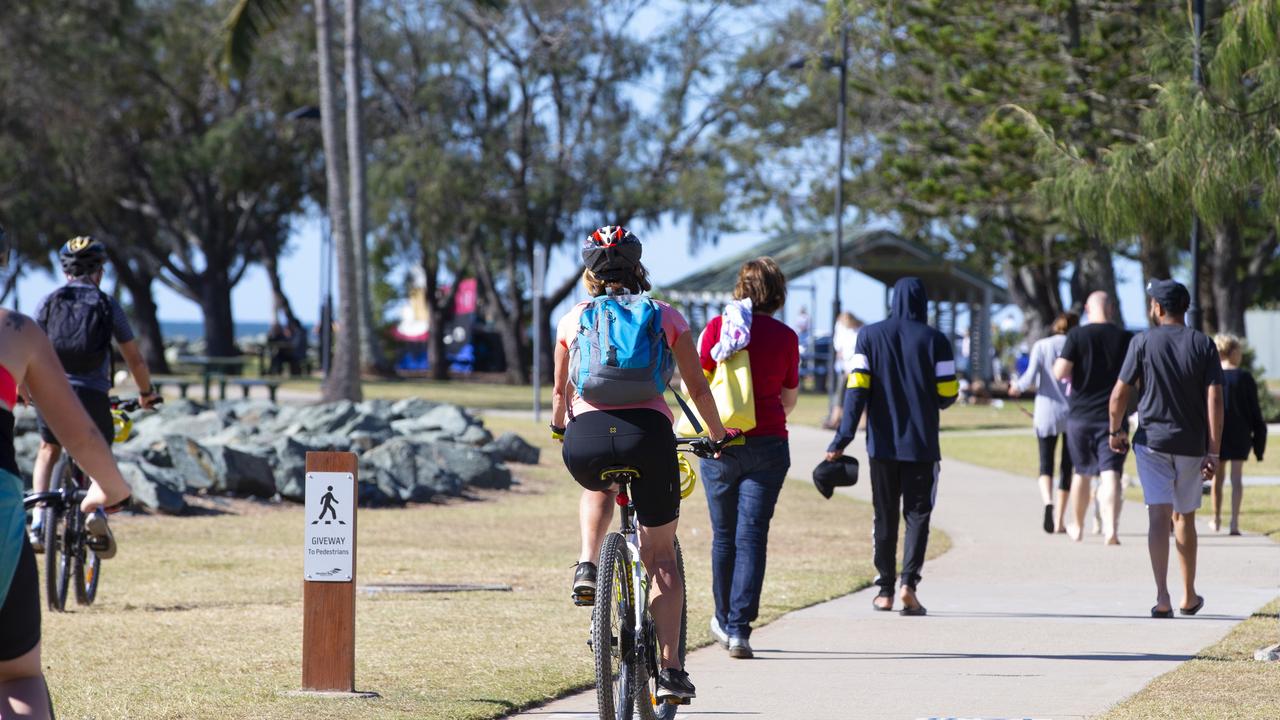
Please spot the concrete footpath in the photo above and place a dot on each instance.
(1021, 624)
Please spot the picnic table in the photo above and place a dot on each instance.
(213, 368)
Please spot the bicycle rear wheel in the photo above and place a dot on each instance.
(612, 627)
(647, 705)
(59, 533)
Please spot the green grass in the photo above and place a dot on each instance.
(200, 617)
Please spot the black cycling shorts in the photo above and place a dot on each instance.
(96, 403)
(20, 615)
(639, 438)
(1047, 447)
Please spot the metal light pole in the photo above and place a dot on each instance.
(1197, 76)
(833, 382)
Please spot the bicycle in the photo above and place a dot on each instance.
(68, 550)
(623, 640)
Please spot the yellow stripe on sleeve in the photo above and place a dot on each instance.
(948, 388)
(859, 380)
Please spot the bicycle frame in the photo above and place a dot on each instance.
(639, 574)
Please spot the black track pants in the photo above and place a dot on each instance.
(905, 489)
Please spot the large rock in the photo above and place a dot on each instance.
(289, 458)
(366, 423)
(194, 464)
(473, 466)
(370, 495)
(510, 447)
(243, 473)
(197, 427)
(152, 488)
(377, 407)
(449, 420)
(409, 471)
(411, 408)
(179, 408)
(24, 420)
(328, 418)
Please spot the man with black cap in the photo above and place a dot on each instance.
(1179, 432)
(903, 374)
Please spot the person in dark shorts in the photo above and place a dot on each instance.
(27, 358)
(904, 374)
(1243, 429)
(639, 434)
(1180, 379)
(63, 315)
(1090, 360)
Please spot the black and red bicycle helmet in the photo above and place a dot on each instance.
(612, 253)
(82, 256)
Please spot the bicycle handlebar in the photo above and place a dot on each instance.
(705, 447)
(61, 497)
(130, 405)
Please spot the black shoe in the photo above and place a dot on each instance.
(584, 584)
(674, 684)
(1048, 518)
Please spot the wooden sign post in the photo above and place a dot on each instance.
(329, 588)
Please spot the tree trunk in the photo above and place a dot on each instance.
(215, 304)
(138, 280)
(1153, 255)
(371, 349)
(279, 301)
(343, 381)
(1228, 292)
(1094, 270)
(506, 318)
(435, 321)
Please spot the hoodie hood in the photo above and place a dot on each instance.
(910, 301)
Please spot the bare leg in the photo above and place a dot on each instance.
(46, 458)
(595, 514)
(23, 693)
(1184, 528)
(1080, 504)
(1159, 518)
(1097, 510)
(1046, 489)
(1060, 512)
(666, 594)
(1237, 493)
(1111, 501)
(1215, 494)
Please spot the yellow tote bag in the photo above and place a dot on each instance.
(735, 399)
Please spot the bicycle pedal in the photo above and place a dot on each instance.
(584, 600)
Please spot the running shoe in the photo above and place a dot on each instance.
(739, 648)
(101, 541)
(674, 683)
(584, 584)
(718, 633)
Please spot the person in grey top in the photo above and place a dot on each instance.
(1179, 432)
(1050, 419)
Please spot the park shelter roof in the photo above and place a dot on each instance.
(880, 254)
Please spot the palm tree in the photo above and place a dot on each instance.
(250, 20)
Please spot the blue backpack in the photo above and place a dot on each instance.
(620, 354)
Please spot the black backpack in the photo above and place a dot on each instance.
(78, 321)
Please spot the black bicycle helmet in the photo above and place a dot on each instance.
(82, 256)
(612, 253)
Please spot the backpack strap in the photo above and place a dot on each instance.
(693, 417)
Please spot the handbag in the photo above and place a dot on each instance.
(732, 390)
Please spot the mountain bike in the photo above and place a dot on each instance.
(623, 635)
(70, 559)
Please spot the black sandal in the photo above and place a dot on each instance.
(917, 611)
(880, 608)
(1162, 614)
(1194, 608)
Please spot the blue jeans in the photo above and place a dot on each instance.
(742, 487)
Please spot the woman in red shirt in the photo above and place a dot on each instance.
(742, 486)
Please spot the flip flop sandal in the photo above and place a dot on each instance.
(917, 611)
(1162, 614)
(1194, 608)
(879, 608)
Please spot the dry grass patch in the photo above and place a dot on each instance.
(200, 617)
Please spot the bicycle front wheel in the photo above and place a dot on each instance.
(88, 569)
(612, 630)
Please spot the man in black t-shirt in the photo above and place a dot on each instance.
(1091, 360)
(1179, 432)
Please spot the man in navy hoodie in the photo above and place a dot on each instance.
(903, 374)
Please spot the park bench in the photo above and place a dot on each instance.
(182, 382)
(247, 384)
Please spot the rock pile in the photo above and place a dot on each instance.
(410, 451)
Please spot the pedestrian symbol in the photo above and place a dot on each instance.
(327, 501)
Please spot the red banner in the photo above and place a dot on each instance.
(464, 303)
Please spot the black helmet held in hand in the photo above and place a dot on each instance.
(831, 474)
(83, 255)
(612, 253)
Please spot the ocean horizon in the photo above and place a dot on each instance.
(190, 330)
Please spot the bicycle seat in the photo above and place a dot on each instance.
(620, 474)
